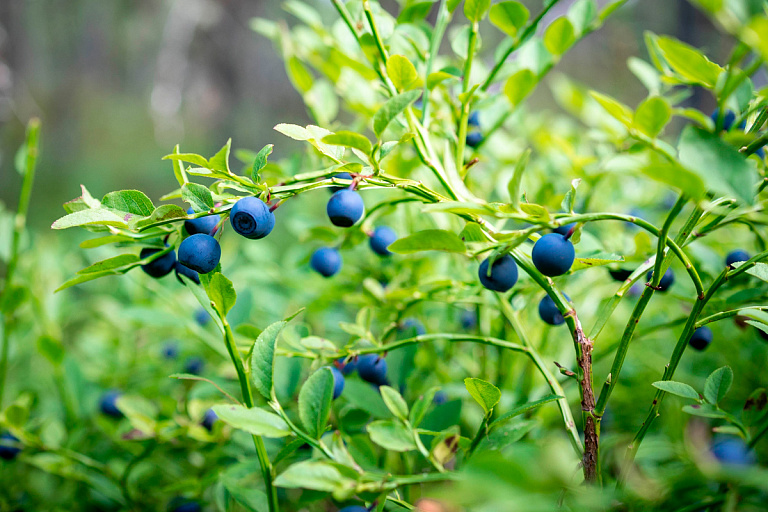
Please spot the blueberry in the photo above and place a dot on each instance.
(474, 119)
(347, 368)
(468, 319)
(732, 451)
(474, 138)
(760, 153)
(159, 267)
(345, 207)
(7, 451)
(737, 255)
(372, 368)
(341, 176)
(701, 338)
(200, 253)
(354, 508)
(553, 255)
(440, 398)
(728, 118)
(620, 274)
(563, 230)
(204, 225)
(170, 350)
(503, 274)
(326, 261)
(202, 317)
(548, 311)
(251, 218)
(180, 504)
(667, 280)
(181, 270)
(108, 404)
(382, 238)
(413, 327)
(209, 419)
(338, 382)
(194, 365)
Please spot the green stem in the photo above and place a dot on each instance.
(481, 431)
(258, 442)
(20, 221)
(726, 314)
(467, 100)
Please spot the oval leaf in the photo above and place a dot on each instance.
(429, 240)
(391, 109)
(254, 420)
(315, 401)
(484, 393)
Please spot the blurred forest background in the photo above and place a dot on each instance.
(117, 83)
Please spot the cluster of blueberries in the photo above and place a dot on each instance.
(344, 209)
(729, 118)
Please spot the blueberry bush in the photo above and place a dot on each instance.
(406, 342)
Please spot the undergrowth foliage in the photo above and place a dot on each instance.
(458, 220)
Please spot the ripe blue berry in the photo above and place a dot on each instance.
(382, 238)
(733, 451)
(7, 450)
(553, 255)
(108, 404)
(251, 218)
(667, 280)
(209, 419)
(548, 311)
(737, 255)
(180, 504)
(345, 207)
(341, 176)
(474, 119)
(200, 253)
(181, 270)
(728, 118)
(170, 350)
(202, 317)
(204, 225)
(347, 368)
(160, 266)
(474, 138)
(468, 319)
(701, 338)
(338, 382)
(372, 368)
(326, 261)
(194, 365)
(413, 327)
(440, 398)
(503, 274)
(354, 508)
(563, 230)
(620, 274)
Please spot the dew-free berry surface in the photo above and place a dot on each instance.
(158, 267)
(372, 368)
(200, 253)
(381, 239)
(338, 382)
(701, 338)
(549, 312)
(735, 256)
(108, 404)
(345, 208)
(251, 218)
(503, 273)
(553, 255)
(326, 261)
(7, 450)
(204, 225)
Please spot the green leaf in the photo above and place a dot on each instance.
(688, 62)
(570, 196)
(92, 217)
(222, 293)
(509, 16)
(595, 260)
(254, 420)
(190, 158)
(402, 72)
(452, 5)
(513, 187)
(520, 85)
(250, 498)
(704, 411)
(652, 115)
(484, 393)
(394, 402)
(472, 232)
(51, 348)
(616, 109)
(350, 140)
(315, 401)
(475, 10)
(391, 109)
(316, 475)
(161, 213)
(263, 359)
(86, 277)
(198, 196)
(298, 74)
(517, 411)
(760, 271)
(260, 161)
(293, 131)
(129, 201)
(559, 36)
(421, 406)
(220, 161)
(438, 77)
(582, 14)
(391, 435)
(428, 240)
(121, 260)
(677, 388)
(721, 167)
(717, 385)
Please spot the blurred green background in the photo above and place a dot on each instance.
(117, 83)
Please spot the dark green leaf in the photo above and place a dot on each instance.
(717, 385)
(394, 402)
(315, 402)
(391, 109)
(421, 406)
(254, 420)
(121, 260)
(677, 389)
(484, 393)
(263, 359)
(198, 196)
(704, 411)
(129, 201)
(391, 435)
(428, 240)
(315, 475)
(517, 411)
